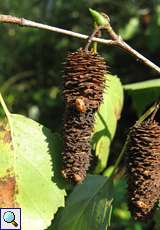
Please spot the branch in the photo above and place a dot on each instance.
(115, 39)
(122, 44)
(27, 23)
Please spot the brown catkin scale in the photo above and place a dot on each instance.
(77, 150)
(83, 92)
(84, 78)
(143, 169)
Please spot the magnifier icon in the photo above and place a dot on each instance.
(9, 217)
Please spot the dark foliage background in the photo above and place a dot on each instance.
(31, 63)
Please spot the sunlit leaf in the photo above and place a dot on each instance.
(27, 178)
(106, 120)
(143, 85)
(143, 93)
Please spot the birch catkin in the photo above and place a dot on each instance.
(84, 85)
(143, 169)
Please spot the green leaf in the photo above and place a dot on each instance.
(143, 94)
(89, 206)
(99, 18)
(130, 29)
(106, 120)
(143, 85)
(108, 172)
(26, 172)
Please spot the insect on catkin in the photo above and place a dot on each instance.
(143, 169)
(83, 92)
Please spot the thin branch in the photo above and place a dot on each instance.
(120, 156)
(116, 40)
(122, 44)
(90, 38)
(155, 111)
(27, 23)
(147, 113)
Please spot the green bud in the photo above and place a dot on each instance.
(98, 18)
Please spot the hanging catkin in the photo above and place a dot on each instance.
(83, 92)
(143, 169)
(84, 78)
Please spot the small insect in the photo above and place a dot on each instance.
(77, 178)
(80, 104)
(141, 204)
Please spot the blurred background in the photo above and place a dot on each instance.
(31, 65)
